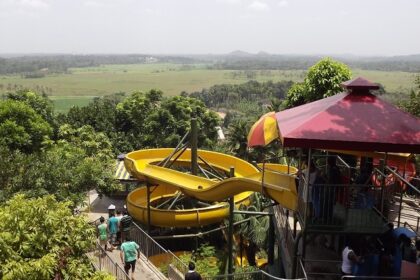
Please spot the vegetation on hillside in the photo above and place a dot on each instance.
(41, 239)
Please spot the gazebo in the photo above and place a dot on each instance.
(353, 120)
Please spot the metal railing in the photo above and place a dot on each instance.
(350, 277)
(253, 275)
(103, 262)
(337, 207)
(149, 247)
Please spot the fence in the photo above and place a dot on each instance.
(149, 247)
(350, 277)
(103, 262)
(254, 275)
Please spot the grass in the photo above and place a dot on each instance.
(63, 103)
(172, 79)
(82, 84)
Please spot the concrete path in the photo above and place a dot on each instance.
(99, 207)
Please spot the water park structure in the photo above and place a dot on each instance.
(192, 188)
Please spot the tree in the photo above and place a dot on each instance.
(63, 170)
(94, 144)
(21, 127)
(41, 239)
(41, 104)
(166, 125)
(296, 95)
(237, 138)
(412, 105)
(323, 80)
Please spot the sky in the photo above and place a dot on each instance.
(335, 27)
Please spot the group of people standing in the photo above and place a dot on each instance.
(379, 257)
(321, 193)
(116, 232)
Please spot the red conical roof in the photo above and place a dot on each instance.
(348, 121)
(359, 83)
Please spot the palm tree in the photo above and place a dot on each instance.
(237, 138)
(255, 231)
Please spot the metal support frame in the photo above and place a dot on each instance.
(296, 254)
(230, 232)
(148, 207)
(194, 145)
(271, 240)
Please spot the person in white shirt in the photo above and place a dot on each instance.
(349, 259)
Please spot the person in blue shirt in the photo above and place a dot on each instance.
(130, 252)
(113, 228)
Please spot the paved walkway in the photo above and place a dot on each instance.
(99, 207)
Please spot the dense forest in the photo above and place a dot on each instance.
(34, 66)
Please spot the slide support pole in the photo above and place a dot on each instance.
(230, 231)
(148, 207)
(194, 144)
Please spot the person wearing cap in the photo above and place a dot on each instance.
(111, 209)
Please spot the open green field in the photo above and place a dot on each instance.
(82, 84)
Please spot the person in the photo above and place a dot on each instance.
(349, 259)
(103, 233)
(119, 216)
(192, 274)
(408, 250)
(130, 252)
(313, 174)
(328, 193)
(112, 228)
(125, 224)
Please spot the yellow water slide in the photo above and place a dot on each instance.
(169, 182)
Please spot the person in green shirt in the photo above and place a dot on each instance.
(103, 233)
(130, 252)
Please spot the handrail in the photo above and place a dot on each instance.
(244, 274)
(402, 179)
(375, 277)
(149, 237)
(116, 270)
(415, 231)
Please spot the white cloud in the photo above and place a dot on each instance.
(230, 1)
(283, 3)
(95, 4)
(37, 4)
(258, 6)
(25, 4)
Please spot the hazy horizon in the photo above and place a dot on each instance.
(188, 27)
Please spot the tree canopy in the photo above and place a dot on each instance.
(412, 105)
(21, 128)
(41, 239)
(322, 80)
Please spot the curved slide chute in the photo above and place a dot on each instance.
(143, 165)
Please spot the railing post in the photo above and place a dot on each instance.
(418, 221)
(99, 258)
(382, 169)
(400, 207)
